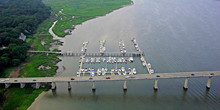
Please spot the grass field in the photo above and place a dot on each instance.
(82, 10)
(21, 98)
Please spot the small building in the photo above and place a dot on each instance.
(22, 36)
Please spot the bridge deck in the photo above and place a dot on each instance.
(70, 53)
(113, 78)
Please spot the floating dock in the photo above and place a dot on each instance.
(143, 60)
(102, 47)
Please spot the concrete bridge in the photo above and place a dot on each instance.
(53, 80)
(92, 54)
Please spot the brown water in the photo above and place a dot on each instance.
(176, 36)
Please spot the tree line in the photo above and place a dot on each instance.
(16, 17)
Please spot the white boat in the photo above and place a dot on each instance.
(149, 65)
(112, 69)
(92, 59)
(103, 59)
(87, 60)
(119, 60)
(103, 71)
(86, 70)
(130, 71)
(82, 50)
(125, 73)
(119, 73)
(77, 74)
(92, 74)
(122, 69)
(131, 59)
(99, 72)
(151, 71)
(134, 71)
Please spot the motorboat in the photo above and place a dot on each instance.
(151, 71)
(99, 72)
(86, 70)
(131, 59)
(92, 74)
(82, 49)
(149, 65)
(122, 69)
(134, 71)
(77, 74)
(103, 71)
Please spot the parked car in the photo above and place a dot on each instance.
(72, 79)
(127, 77)
(108, 78)
(7, 79)
(212, 73)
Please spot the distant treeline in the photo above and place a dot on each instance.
(16, 17)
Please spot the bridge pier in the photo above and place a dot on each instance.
(209, 83)
(185, 87)
(93, 86)
(125, 86)
(53, 85)
(155, 84)
(22, 85)
(37, 85)
(7, 85)
(69, 86)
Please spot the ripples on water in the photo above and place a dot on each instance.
(176, 36)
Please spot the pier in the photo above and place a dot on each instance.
(144, 61)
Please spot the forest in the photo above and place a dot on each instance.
(16, 17)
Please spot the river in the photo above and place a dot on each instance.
(176, 36)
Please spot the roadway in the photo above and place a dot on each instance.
(112, 78)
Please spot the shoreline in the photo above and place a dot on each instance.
(37, 99)
(56, 37)
(72, 29)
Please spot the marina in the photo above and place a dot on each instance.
(90, 71)
(107, 58)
